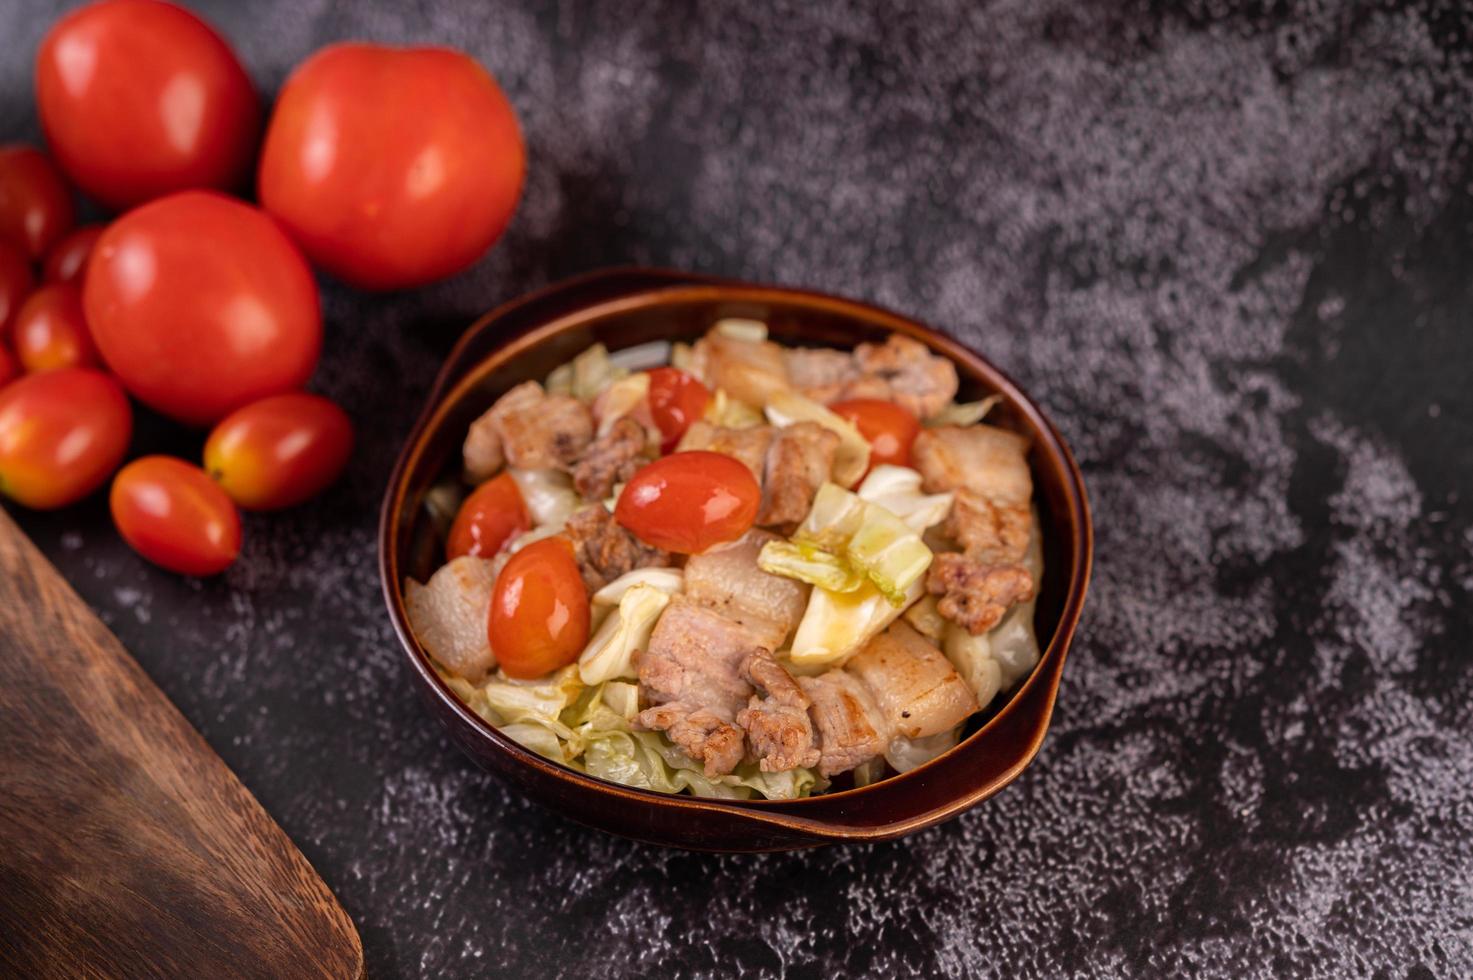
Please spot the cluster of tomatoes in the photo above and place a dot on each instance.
(387, 168)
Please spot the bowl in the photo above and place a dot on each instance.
(625, 307)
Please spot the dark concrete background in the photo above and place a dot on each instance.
(1226, 244)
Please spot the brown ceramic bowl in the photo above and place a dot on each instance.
(621, 308)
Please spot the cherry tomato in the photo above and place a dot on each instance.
(889, 428)
(677, 399)
(279, 451)
(174, 515)
(392, 167)
(539, 610)
(201, 304)
(15, 283)
(50, 332)
(67, 260)
(62, 434)
(491, 516)
(688, 502)
(140, 98)
(35, 206)
(10, 368)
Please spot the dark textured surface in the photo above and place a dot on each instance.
(1229, 250)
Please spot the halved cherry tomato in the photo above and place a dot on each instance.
(539, 610)
(688, 502)
(50, 332)
(9, 367)
(677, 398)
(279, 451)
(67, 260)
(887, 427)
(174, 515)
(15, 283)
(35, 205)
(62, 434)
(201, 305)
(140, 98)
(491, 516)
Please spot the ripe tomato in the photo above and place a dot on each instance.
(140, 98)
(201, 304)
(174, 515)
(392, 167)
(491, 516)
(15, 283)
(50, 332)
(61, 434)
(677, 399)
(35, 206)
(67, 259)
(887, 427)
(279, 451)
(539, 610)
(9, 367)
(688, 502)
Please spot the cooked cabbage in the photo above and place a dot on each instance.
(965, 413)
(667, 580)
(784, 407)
(620, 398)
(610, 652)
(741, 328)
(836, 625)
(548, 495)
(731, 413)
(867, 537)
(926, 618)
(898, 490)
(832, 518)
(905, 754)
(807, 563)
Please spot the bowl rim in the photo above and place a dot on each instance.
(447, 390)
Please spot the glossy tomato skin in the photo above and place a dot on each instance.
(201, 305)
(677, 398)
(539, 610)
(67, 260)
(35, 205)
(140, 98)
(392, 167)
(492, 515)
(690, 501)
(16, 283)
(889, 428)
(174, 515)
(280, 451)
(50, 331)
(62, 433)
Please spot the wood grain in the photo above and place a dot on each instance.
(127, 848)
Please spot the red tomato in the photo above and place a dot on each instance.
(174, 515)
(140, 99)
(676, 400)
(279, 451)
(10, 368)
(61, 434)
(688, 502)
(67, 259)
(887, 427)
(15, 283)
(392, 167)
(201, 304)
(50, 331)
(491, 516)
(539, 610)
(35, 206)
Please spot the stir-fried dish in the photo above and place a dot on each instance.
(750, 570)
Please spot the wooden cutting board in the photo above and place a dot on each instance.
(127, 848)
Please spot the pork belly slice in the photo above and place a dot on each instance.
(779, 730)
(612, 458)
(727, 579)
(748, 370)
(529, 429)
(850, 727)
(916, 689)
(448, 615)
(749, 445)
(604, 549)
(799, 461)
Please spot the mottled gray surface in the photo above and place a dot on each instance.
(1229, 250)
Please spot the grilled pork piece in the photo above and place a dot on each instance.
(749, 445)
(917, 690)
(748, 370)
(727, 579)
(612, 458)
(799, 461)
(605, 550)
(779, 731)
(919, 381)
(528, 429)
(850, 727)
(448, 615)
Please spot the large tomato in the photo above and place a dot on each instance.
(392, 167)
(201, 304)
(140, 98)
